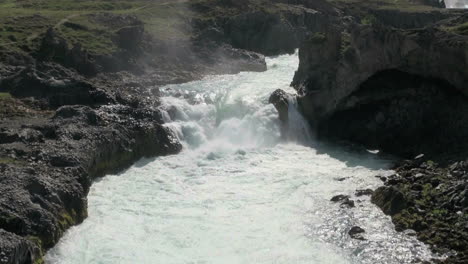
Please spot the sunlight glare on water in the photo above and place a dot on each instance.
(236, 194)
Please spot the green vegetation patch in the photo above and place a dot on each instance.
(317, 38)
(94, 39)
(5, 96)
(369, 20)
(23, 23)
(461, 29)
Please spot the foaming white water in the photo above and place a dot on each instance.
(456, 3)
(236, 194)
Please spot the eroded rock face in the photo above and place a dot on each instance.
(54, 47)
(419, 85)
(55, 84)
(270, 32)
(15, 249)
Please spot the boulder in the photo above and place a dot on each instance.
(280, 99)
(390, 200)
(356, 233)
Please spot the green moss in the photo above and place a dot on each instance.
(369, 20)
(117, 162)
(5, 96)
(6, 160)
(318, 38)
(431, 163)
(439, 212)
(38, 242)
(406, 220)
(427, 191)
(461, 29)
(345, 43)
(67, 219)
(94, 41)
(39, 261)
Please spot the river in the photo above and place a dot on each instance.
(237, 193)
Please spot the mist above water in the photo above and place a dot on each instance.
(237, 193)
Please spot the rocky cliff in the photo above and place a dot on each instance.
(401, 88)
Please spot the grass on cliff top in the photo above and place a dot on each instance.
(23, 22)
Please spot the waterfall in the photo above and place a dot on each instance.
(298, 128)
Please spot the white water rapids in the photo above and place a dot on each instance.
(456, 3)
(237, 194)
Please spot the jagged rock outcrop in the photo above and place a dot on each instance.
(55, 47)
(46, 175)
(272, 30)
(385, 79)
(55, 84)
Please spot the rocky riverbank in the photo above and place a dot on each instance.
(432, 200)
(79, 89)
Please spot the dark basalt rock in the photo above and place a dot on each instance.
(263, 31)
(345, 200)
(131, 36)
(356, 233)
(348, 203)
(390, 200)
(436, 208)
(55, 84)
(339, 198)
(54, 47)
(45, 182)
(16, 249)
(396, 85)
(280, 99)
(364, 192)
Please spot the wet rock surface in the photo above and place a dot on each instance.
(344, 200)
(356, 232)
